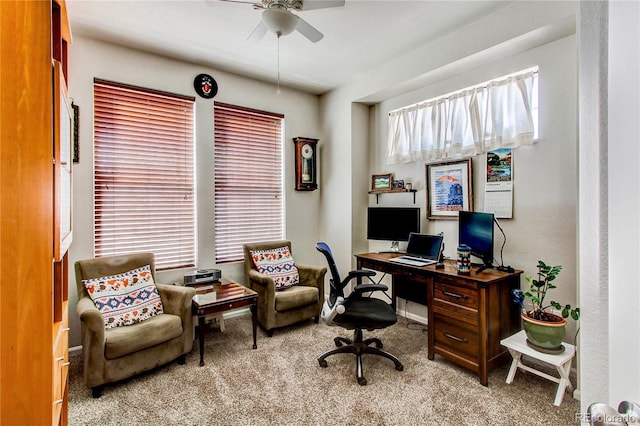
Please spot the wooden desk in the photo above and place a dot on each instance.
(468, 314)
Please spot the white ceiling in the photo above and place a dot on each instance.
(358, 37)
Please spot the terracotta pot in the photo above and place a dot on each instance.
(545, 335)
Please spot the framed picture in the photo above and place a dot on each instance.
(397, 184)
(381, 182)
(449, 189)
(76, 132)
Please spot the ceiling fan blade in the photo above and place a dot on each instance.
(308, 30)
(240, 1)
(321, 4)
(258, 32)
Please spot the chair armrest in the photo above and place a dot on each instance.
(359, 273)
(93, 341)
(266, 289)
(92, 319)
(176, 299)
(312, 276)
(365, 288)
(262, 280)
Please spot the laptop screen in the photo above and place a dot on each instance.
(424, 245)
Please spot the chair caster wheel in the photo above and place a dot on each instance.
(379, 345)
(362, 381)
(399, 367)
(337, 341)
(322, 363)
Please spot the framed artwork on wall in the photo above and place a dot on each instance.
(76, 132)
(381, 182)
(449, 189)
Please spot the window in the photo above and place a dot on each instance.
(144, 174)
(248, 179)
(495, 114)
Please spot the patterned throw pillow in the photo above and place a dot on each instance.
(127, 298)
(278, 264)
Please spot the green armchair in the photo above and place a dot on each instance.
(281, 308)
(113, 354)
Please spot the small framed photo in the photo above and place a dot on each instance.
(397, 185)
(76, 132)
(381, 182)
(449, 189)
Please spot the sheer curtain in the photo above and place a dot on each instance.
(499, 113)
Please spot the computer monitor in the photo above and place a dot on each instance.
(475, 229)
(392, 223)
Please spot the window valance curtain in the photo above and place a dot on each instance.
(497, 114)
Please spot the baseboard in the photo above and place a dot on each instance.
(75, 351)
(236, 313)
(413, 317)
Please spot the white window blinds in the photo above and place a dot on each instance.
(144, 168)
(248, 179)
(495, 114)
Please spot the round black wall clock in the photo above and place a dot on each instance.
(205, 86)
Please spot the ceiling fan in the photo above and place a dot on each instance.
(277, 17)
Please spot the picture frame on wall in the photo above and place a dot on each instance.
(449, 188)
(76, 132)
(381, 182)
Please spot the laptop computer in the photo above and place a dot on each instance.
(422, 250)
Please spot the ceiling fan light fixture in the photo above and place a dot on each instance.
(279, 21)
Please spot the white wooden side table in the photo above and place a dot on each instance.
(517, 346)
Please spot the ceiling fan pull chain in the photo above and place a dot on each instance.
(278, 90)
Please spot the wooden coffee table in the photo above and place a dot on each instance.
(225, 296)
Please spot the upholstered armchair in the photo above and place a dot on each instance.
(115, 353)
(285, 306)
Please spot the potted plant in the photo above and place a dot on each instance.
(544, 329)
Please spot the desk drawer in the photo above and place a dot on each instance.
(456, 295)
(457, 337)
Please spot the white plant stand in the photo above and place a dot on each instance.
(517, 346)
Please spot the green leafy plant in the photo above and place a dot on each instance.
(537, 293)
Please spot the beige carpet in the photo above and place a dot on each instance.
(281, 383)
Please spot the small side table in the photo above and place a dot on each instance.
(226, 296)
(517, 346)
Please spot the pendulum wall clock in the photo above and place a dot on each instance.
(306, 163)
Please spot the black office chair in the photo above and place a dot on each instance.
(356, 312)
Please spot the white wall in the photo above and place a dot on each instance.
(593, 227)
(91, 59)
(624, 200)
(609, 103)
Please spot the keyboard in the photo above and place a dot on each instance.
(413, 261)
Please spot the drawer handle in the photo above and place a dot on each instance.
(457, 296)
(60, 358)
(457, 339)
(58, 401)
